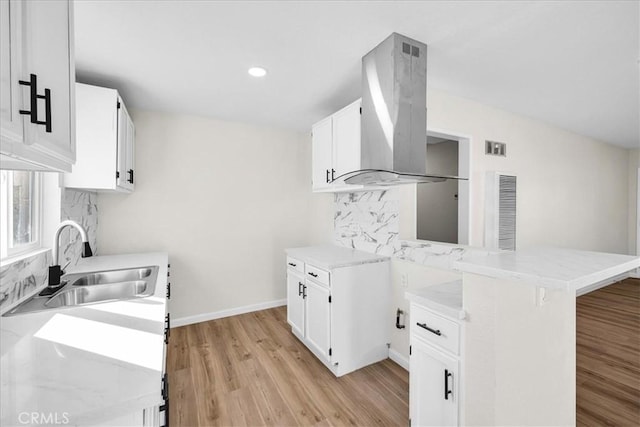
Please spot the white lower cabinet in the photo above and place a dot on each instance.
(318, 318)
(295, 302)
(433, 386)
(434, 372)
(338, 313)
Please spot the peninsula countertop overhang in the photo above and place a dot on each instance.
(555, 268)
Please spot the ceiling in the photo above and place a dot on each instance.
(573, 64)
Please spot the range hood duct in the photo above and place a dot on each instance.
(394, 115)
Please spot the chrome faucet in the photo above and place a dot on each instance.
(55, 272)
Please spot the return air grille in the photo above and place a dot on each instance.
(500, 211)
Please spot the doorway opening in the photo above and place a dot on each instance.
(442, 208)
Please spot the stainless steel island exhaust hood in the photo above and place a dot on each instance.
(394, 115)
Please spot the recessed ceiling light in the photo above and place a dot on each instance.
(257, 71)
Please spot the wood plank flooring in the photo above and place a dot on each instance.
(250, 370)
(608, 356)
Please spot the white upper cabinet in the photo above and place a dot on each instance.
(38, 75)
(336, 148)
(105, 142)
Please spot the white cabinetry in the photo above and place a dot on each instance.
(338, 312)
(105, 142)
(336, 148)
(434, 380)
(37, 85)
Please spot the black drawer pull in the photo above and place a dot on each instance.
(312, 274)
(292, 264)
(130, 179)
(304, 292)
(327, 175)
(447, 392)
(164, 390)
(433, 331)
(300, 286)
(169, 290)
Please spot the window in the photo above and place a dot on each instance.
(19, 212)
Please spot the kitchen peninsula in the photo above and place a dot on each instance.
(520, 331)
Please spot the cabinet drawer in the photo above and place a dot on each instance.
(435, 329)
(294, 264)
(317, 275)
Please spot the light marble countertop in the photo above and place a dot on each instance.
(92, 363)
(552, 267)
(444, 298)
(329, 256)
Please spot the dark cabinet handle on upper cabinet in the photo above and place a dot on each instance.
(447, 392)
(292, 264)
(130, 179)
(33, 98)
(433, 331)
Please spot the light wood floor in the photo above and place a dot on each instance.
(608, 356)
(251, 370)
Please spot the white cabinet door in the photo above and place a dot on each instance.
(295, 302)
(346, 139)
(433, 386)
(318, 318)
(10, 92)
(48, 50)
(125, 178)
(321, 149)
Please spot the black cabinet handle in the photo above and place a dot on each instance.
(167, 328)
(168, 290)
(165, 396)
(33, 98)
(333, 172)
(130, 179)
(433, 331)
(292, 264)
(304, 292)
(312, 274)
(164, 390)
(447, 392)
(300, 286)
(327, 171)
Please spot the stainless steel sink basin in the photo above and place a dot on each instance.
(93, 288)
(98, 293)
(113, 276)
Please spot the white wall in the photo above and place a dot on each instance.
(633, 220)
(224, 200)
(572, 190)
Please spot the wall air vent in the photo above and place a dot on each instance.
(500, 211)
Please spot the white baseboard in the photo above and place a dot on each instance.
(635, 273)
(182, 321)
(399, 359)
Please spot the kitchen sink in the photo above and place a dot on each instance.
(98, 293)
(113, 276)
(93, 288)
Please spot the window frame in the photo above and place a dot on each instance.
(7, 248)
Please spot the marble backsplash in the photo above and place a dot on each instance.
(24, 276)
(370, 221)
